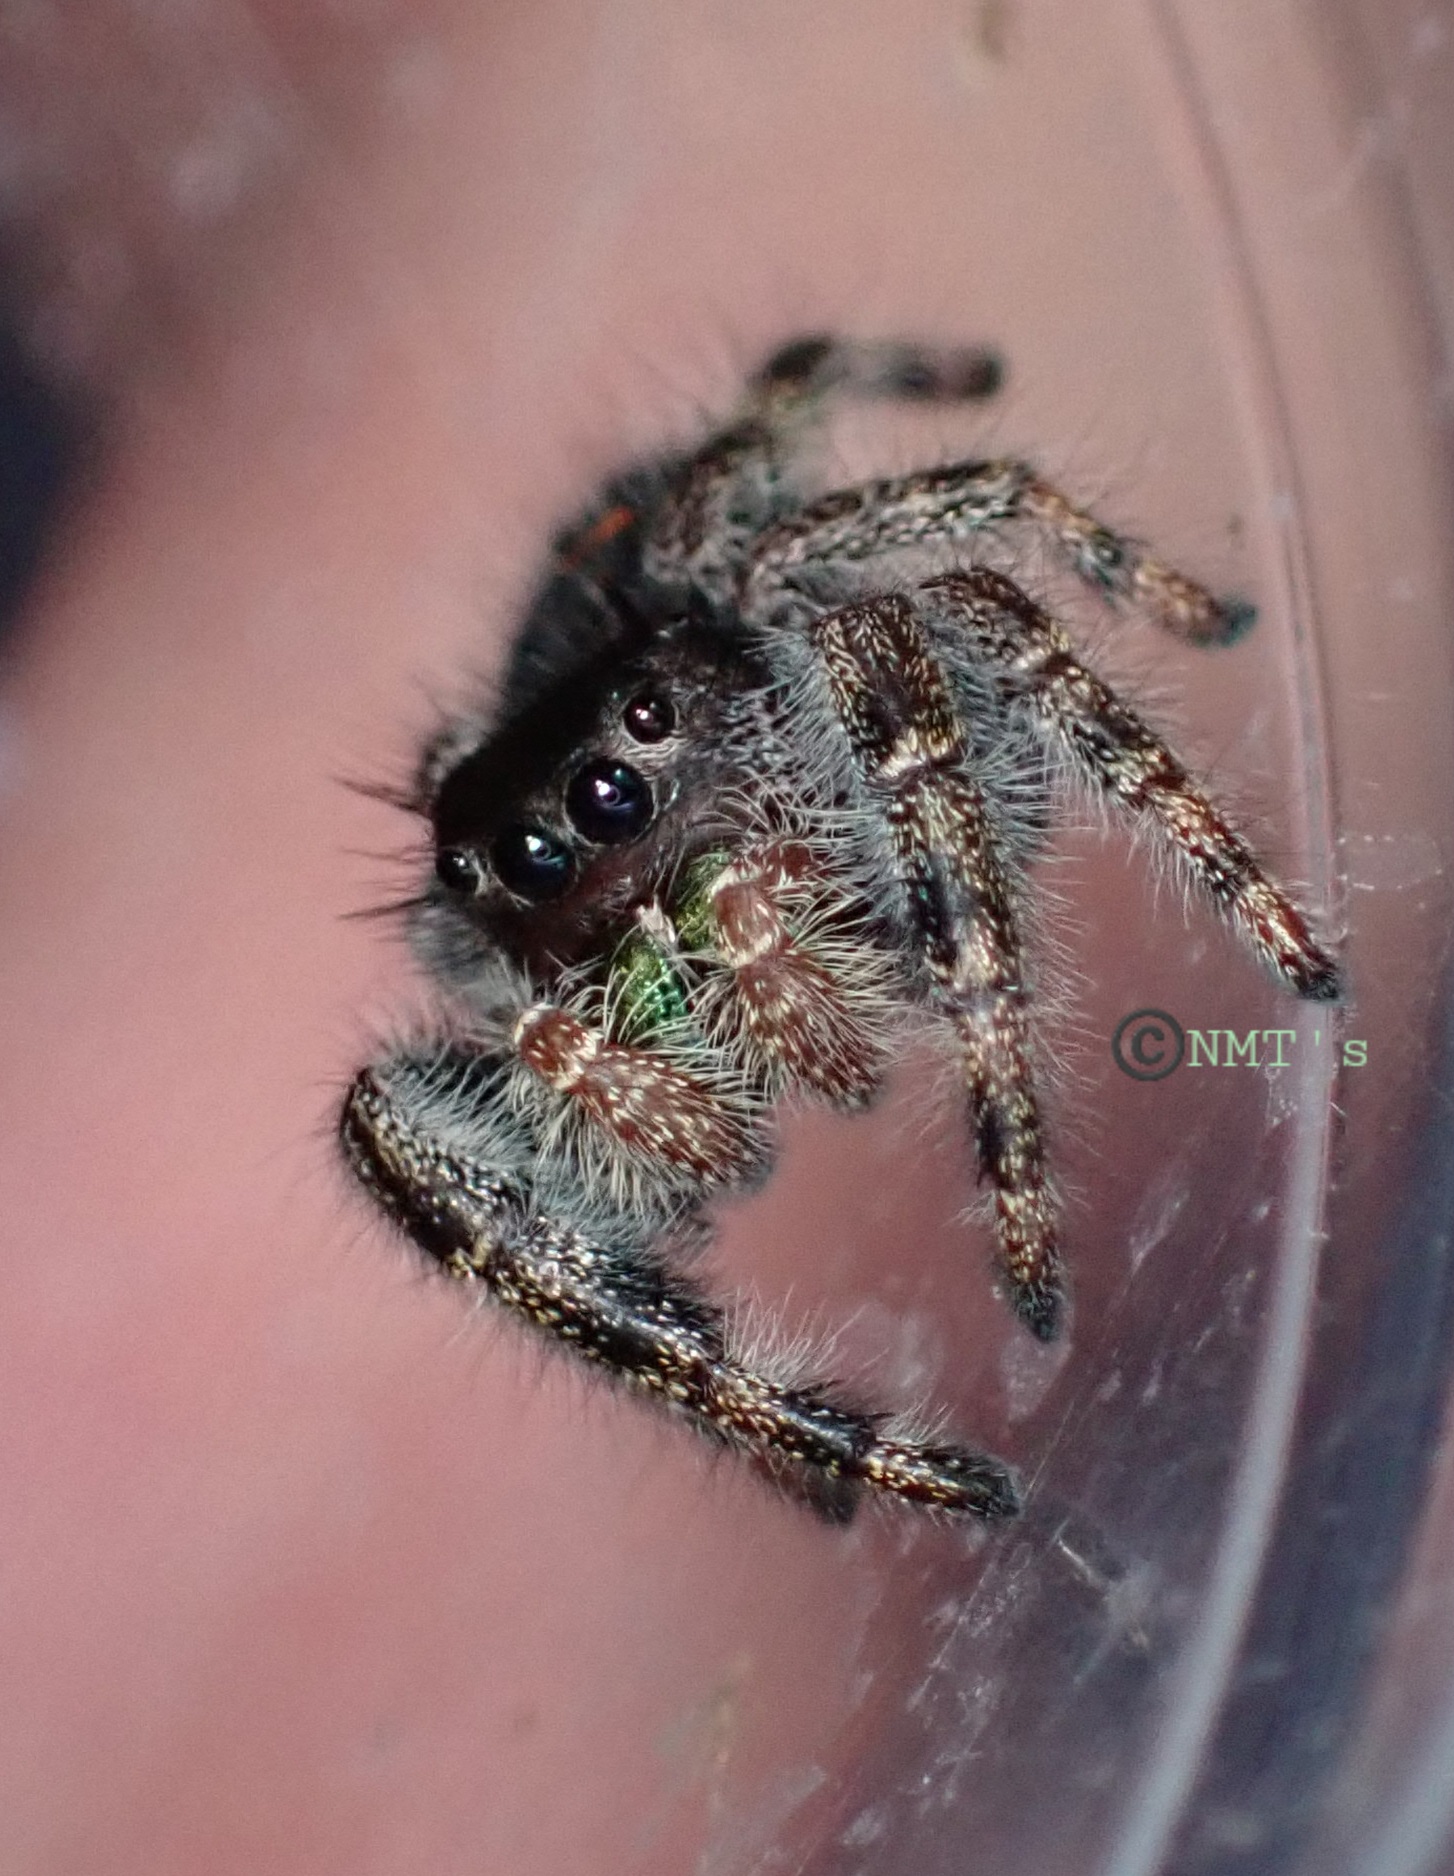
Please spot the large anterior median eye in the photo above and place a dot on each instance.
(608, 802)
(532, 861)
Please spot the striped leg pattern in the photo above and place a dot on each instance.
(1120, 757)
(895, 706)
(622, 1308)
(936, 507)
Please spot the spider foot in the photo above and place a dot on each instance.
(1237, 618)
(945, 1478)
(1038, 1302)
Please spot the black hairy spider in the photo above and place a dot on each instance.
(748, 813)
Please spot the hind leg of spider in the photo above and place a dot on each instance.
(942, 506)
(807, 369)
(698, 532)
(621, 1308)
(911, 751)
(1113, 750)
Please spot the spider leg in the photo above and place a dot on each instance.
(806, 370)
(650, 1122)
(938, 506)
(706, 517)
(1117, 753)
(792, 1001)
(911, 752)
(623, 1309)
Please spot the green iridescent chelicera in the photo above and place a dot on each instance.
(646, 989)
(645, 992)
(692, 911)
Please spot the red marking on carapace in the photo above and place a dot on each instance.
(600, 534)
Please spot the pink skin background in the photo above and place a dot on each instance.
(303, 1569)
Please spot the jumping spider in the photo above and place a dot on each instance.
(749, 813)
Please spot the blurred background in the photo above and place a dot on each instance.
(316, 320)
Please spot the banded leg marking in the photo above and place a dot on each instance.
(897, 710)
(626, 1311)
(696, 524)
(1118, 754)
(792, 1014)
(651, 1108)
(937, 506)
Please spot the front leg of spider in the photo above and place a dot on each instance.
(897, 711)
(620, 1307)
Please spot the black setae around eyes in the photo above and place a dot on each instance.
(649, 717)
(531, 861)
(608, 802)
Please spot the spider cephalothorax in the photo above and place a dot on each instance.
(754, 806)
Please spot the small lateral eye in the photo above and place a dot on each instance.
(608, 802)
(460, 870)
(532, 862)
(649, 717)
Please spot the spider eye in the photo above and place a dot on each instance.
(649, 717)
(532, 862)
(459, 869)
(608, 802)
